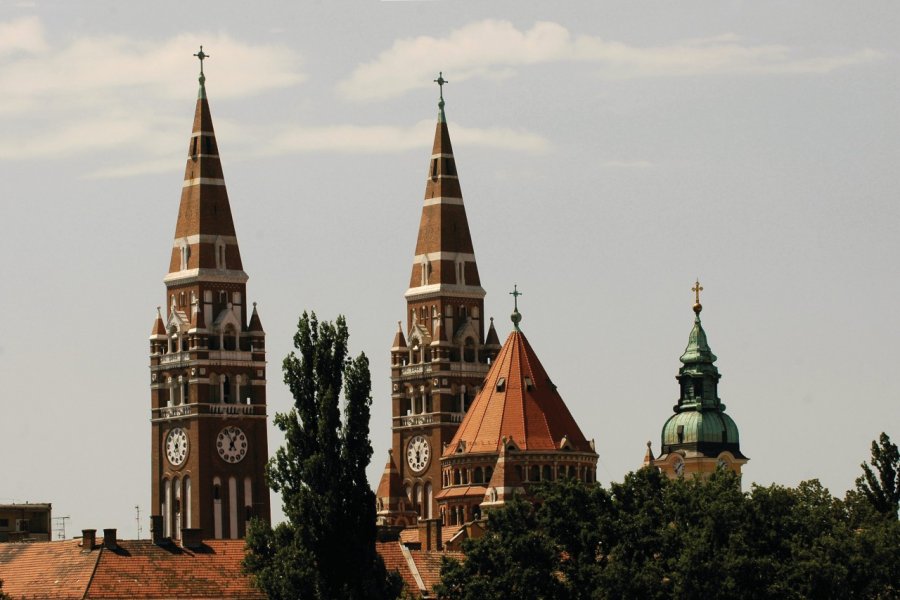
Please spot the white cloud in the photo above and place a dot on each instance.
(492, 48)
(25, 35)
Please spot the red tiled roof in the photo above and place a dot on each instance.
(394, 560)
(534, 415)
(469, 490)
(429, 565)
(58, 570)
(137, 569)
(141, 569)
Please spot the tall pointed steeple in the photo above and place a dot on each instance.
(437, 368)
(699, 436)
(207, 364)
(205, 239)
(445, 257)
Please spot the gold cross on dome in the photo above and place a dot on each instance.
(441, 81)
(697, 289)
(202, 56)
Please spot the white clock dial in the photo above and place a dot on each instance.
(417, 453)
(176, 446)
(232, 444)
(679, 468)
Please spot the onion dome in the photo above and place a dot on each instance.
(699, 424)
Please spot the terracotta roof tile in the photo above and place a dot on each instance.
(394, 560)
(526, 407)
(58, 570)
(141, 569)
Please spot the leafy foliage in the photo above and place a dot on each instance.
(881, 486)
(326, 548)
(651, 537)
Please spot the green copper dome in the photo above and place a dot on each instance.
(699, 424)
(693, 427)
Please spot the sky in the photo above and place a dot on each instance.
(609, 154)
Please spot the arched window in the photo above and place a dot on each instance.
(488, 474)
(188, 517)
(534, 473)
(217, 508)
(229, 338)
(469, 350)
(176, 508)
(479, 475)
(232, 508)
(547, 475)
(226, 389)
(248, 501)
(419, 507)
(429, 497)
(167, 508)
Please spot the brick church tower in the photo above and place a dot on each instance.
(439, 363)
(207, 364)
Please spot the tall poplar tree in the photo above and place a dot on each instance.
(326, 548)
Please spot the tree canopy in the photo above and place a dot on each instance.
(652, 537)
(326, 547)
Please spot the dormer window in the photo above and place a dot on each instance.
(529, 385)
(185, 255)
(501, 384)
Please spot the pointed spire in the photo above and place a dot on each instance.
(255, 324)
(698, 350)
(399, 339)
(205, 237)
(159, 327)
(648, 455)
(444, 252)
(492, 340)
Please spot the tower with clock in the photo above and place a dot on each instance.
(441, 355)
(207, 363)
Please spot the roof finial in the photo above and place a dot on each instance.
(441, 81)
(697, 289)
(516, 317)
(202, 56)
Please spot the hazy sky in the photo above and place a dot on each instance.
(609, 153)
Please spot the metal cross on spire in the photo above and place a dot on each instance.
(697, 289)
(516, 316)
(441, 81)
(202, 56)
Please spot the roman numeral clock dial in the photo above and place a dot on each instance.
(232, 445)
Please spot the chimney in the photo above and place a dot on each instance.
(156, 529)
(430, 535)
(88, 536)
(109, 539)
(191, 538)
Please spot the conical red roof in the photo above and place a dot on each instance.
(518, 401)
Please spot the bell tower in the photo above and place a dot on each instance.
(443, 352)
(207, 363)
(699, 437)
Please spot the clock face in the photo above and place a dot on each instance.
(232, 445)
(679, 468)
(176, 446)
(417, 453)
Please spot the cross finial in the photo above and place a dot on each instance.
(202, 56)
(441, 81)
(697, 289)
(516, 317)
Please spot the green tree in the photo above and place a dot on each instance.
(879, 483)
(326, 547)
(3, 595)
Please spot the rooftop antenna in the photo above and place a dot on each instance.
(60, 527)
(137, 519)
